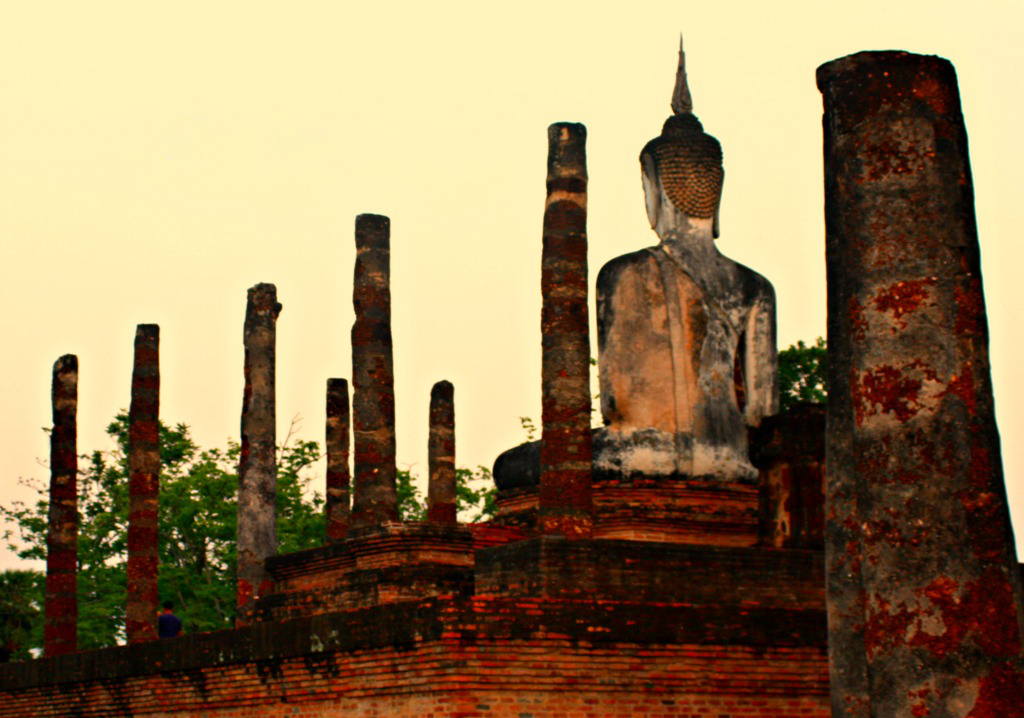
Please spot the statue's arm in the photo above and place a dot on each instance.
(605, 315)
(608, 281)
(762, 363)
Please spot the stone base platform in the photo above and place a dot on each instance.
(670, 510)
(548, 628)
(385, 564)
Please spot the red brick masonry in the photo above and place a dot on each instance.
(555, 628)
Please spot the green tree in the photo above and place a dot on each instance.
(475, 495)
(411, 504)
(20, 611)
(803, 374)
(197, 527)
(530, 429)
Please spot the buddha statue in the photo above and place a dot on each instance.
(686, 336)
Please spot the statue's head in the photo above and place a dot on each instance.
(684, 163)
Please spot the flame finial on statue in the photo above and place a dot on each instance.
(682, 103)
(686, 162)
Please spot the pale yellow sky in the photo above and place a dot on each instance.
(159, 158)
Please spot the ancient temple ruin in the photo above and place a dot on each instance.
(673, 562)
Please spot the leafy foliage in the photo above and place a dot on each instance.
(197, 528)
(411, 504)
(20, 610)
(803, 374)
(475, 496)
(197, 525)
(529, 428)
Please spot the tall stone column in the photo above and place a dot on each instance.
(565, 501)
(257, 473)
(338, 479)
(924, 590)
(373, 376)
(143, 487)
(441, 507)
(60, 632)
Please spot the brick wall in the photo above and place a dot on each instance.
(426, 620)
(471, 657)
(789, 452)
(665, 509)
(384, 564)
(654, 572)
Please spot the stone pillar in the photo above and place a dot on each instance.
(257, 472)
(373, 376)
(143, 487)
(337, 507)
(924, 590)
(565, 500)
(60, 632)
(441, 455)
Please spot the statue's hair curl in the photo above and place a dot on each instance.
(689, 164)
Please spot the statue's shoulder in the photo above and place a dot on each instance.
(753, 285)
(641, 260)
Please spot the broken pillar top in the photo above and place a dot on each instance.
(567, 162)
(263, 297)
(68, 362)
(373, 231)
(928, 79)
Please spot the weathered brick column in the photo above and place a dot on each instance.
(565, 501)
(257, 473)
(924, 591)
(143, 601)
(789, 452)
(441, 455)
(337, 506)
(60, 632)
(373, 377)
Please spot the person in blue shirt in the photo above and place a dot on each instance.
(168, 625)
